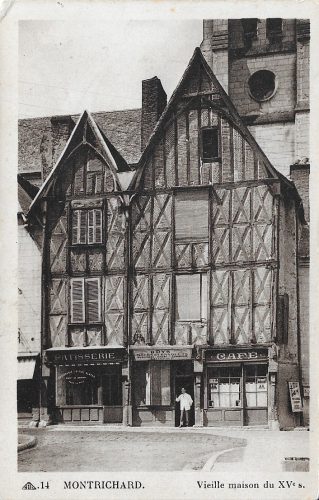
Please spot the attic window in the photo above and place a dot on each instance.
(262, 85)
(210, 149)
(273, 27)
(250, 28)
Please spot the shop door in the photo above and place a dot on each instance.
(112, 394)
(255, 395)
(186, 381)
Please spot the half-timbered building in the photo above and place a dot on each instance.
(179, 271)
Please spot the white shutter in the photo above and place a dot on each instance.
(93, 300)
(77, 300)
(82, 237)
(75, 226)
(98, 225)
(91, 231)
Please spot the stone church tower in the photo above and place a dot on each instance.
(263, 65)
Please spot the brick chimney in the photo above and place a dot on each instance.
(61, 128)
(154, 100)
(299, 174)
(214, 48)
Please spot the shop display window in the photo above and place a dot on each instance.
(224, 387)
(256, 385)
(151, 383)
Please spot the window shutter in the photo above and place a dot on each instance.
(191, 215)
(188, 297)
(98, 225)
(75, 226)
(93, 302)
(82, 226)
(91, 226)
(77, 300)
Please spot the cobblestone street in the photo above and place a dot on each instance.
(122, 451)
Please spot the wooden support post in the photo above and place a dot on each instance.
(198, 372)
(127, 397)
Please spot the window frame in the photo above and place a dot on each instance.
(85, 301)
(203, 317)
(272, 33)
(84, 216)
(210, 159)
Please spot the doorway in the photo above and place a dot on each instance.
(186, 381)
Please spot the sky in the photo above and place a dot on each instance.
(67, 67)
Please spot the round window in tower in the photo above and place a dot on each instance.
(262, 85)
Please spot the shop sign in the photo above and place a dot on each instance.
(161, 354)
(255, 355)
(295, 396)
(91, 357)
(77, 377)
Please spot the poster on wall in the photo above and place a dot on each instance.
(295, 396)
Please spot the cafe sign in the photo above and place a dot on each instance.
(85, 356)
(162, 354)
(237, 355)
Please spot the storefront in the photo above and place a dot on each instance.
(158, 374)
(28, 375)
(88, 384)
(236, 387)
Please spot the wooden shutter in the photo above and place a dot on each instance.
(77, 300)
(160, 383)
(203, 295)
(191, 215)
(98, 225)
(93, 300)
(188, 297)
(82, 228)
(75, 226)
(91, 231)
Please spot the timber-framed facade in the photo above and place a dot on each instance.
(178, 272)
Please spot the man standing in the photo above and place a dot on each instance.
(185, 401)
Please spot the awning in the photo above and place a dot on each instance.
(26, 368)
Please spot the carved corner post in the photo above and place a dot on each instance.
(272, 406)
(198, 377)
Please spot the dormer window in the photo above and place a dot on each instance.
(210, 146)
(273, 27)
(250, 28)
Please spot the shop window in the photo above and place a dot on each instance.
(85, 300)
(210, 146)
(191, 297)
(77, 386)
(273, 27)
(224, 387)
(87, 226)
(262, 85)
(256, 385)
(152, 383)
(249, 28)
(191, 216)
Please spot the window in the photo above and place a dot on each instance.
(224, 387)
(256, 385)
(273, 27)
(250, 28)
(87, 226)
(191, 215)
(85, 300)
(262, 85)
(191, 297)
(210, 149)
(152, 383)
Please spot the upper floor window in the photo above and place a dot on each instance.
(191, 215)
(85, 300)
(87, 226)
(210, 146)
(250, 28)
(273, 27)
(191, 297)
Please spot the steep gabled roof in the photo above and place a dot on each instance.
(26, 193)
(225, 105)
(111, 156)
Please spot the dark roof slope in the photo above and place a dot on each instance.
(26, 193)
(122, 128)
